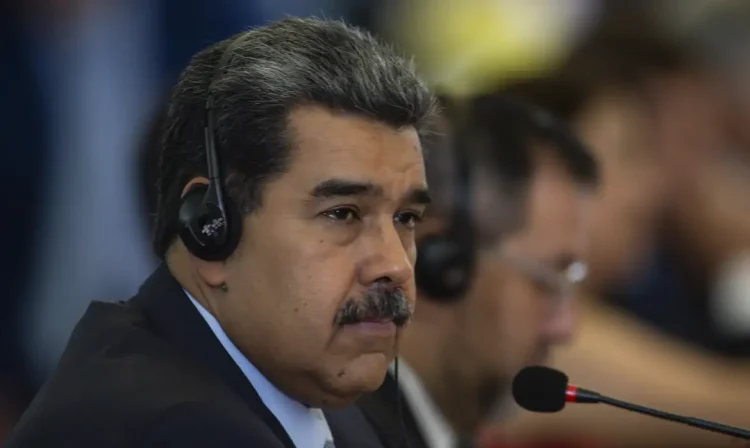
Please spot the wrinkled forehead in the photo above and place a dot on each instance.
(328, 145)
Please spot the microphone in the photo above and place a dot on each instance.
(542, 389)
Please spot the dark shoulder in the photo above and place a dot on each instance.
(114, 355)
(183, 425)
(381, 406)
(381, 412)
(203, 424)
(115, 380)
(389, 414)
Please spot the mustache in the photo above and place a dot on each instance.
(380, 302)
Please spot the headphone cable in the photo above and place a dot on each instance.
(399, 406)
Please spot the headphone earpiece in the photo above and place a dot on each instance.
(208, 231)
(444, 268)
(445, 262)
(210, 225)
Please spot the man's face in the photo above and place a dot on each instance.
(621, 132)
(322, 281)
(518, 306)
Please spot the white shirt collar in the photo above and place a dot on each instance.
(433, 426)
(307, 427)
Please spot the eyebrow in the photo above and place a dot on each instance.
(419, 196)
(332, 188)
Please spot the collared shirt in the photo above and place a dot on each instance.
(307, 427)
(433, 426)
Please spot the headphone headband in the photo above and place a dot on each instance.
(210, 225)
(212, 157)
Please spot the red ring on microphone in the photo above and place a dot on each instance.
(570, 394)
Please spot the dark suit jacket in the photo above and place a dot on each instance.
(150, 373)
(394, 426)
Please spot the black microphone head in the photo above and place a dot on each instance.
(540, 389)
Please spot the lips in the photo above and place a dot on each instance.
(376, 329)
(376, 320)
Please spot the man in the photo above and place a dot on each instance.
(640, 103)
(459, 355)
(288, 262)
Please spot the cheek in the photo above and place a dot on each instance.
(501, 325)
(631, 219)
(291, 284)
(610, 196)
(520, 317)
(410, 288)
(303, 264)
(493, 323)
(611, 214)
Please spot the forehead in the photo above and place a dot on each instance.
(498, 208)
(557, 211)
(328, 144)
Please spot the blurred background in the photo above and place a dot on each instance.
(660, 90)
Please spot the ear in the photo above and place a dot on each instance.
(210, 272)
(194, 182)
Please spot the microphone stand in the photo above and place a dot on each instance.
(691, 421)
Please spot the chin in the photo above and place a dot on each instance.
(359, 376)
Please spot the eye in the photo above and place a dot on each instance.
(342, 214)
(408, 219)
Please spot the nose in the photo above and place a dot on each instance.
(562, 322)
(387, 257)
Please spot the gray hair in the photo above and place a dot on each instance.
(272, 70)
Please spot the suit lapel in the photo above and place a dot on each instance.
(393, 426)
(350, 429)
(164, 303)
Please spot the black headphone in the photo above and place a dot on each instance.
(445, 261)
(210, 225)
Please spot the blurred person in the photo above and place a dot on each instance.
(701, 258)
(718, 182)
(625, 92)
(492, 290)
(702, 223)
(285, 281)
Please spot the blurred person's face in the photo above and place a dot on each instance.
(519, 307)
(692, 129)
(322, 281)
(619, 131)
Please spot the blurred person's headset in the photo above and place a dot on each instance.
(445, 260)
(210, 223)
